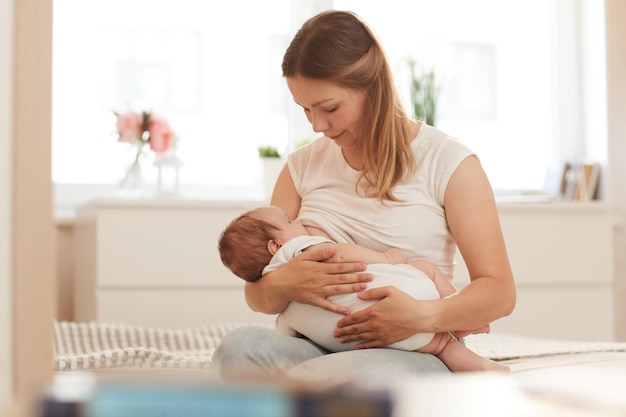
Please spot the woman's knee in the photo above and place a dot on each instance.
(369, 364)
(234, 349)
(258, 350)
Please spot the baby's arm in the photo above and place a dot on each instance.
(442, 283)
(349, 252)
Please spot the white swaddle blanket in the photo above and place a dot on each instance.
(318, 324)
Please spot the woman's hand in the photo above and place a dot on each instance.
(311, 279)
(397, 316)
(465, 333)
(307, 279)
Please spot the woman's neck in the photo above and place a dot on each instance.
(353, 157)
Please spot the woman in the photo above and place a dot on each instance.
(379, 179)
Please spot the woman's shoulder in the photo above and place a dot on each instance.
(430, 134)
(432, 142)
(317, 147)
(319, 143)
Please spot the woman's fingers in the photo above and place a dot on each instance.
(368, 339)
(327, 305)
(348, 325)
(324, 303)
(332, 268)
(335, 289)
(319, 255)
(315, 280)
(376, 325)
(464, 333)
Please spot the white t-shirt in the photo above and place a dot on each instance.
(318, 324)
(417, 225)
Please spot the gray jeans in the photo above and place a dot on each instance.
(262, 352)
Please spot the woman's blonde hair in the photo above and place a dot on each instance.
(339, 47)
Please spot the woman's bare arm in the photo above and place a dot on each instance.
(475, 225)
(285, 195)
(474, 222)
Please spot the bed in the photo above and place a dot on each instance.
(586, 377)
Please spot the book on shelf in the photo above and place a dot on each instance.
(579, 181)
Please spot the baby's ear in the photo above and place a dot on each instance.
(273, 246)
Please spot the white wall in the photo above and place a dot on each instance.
(6, 64)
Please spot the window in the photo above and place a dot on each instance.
(509, 78)
(211, 68)
(510, 81)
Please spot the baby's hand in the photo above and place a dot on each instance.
(395, 256)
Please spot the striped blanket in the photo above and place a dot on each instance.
(93, 345)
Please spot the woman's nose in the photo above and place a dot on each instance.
(319, 123)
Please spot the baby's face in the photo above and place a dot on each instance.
(279, 218)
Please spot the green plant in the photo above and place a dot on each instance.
(302, 142)
(267, 151)
(423, 93)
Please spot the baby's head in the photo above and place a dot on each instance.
(247, 245)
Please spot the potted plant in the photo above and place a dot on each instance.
(272, 164)
(423, 93)
(268, 151)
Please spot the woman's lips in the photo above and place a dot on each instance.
(336, 136)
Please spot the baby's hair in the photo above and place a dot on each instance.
(243, 246)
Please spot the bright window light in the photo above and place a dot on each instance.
(213, 71)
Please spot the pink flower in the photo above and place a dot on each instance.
(129, 126)
(161, 135)
(145, 129)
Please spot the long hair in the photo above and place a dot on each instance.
(243, 246)
(339, 47)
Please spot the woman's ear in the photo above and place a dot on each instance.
(273, 246)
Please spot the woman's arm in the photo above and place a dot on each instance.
(473, 220)
(306, 278)
(285, 195)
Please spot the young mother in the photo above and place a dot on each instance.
(379, 179)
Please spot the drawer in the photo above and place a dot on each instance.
(578, 313)
(173, 307)
(166, 248)
(549, 247)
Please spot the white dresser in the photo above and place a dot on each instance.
(563, 261)
(155, 262)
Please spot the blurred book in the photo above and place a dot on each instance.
(578, 180)
(257, 399)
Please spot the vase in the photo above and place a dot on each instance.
(271, 169)
(131, 184)
(168, 174)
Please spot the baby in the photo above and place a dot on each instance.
(263, 239)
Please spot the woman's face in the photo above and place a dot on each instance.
(335, 111)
